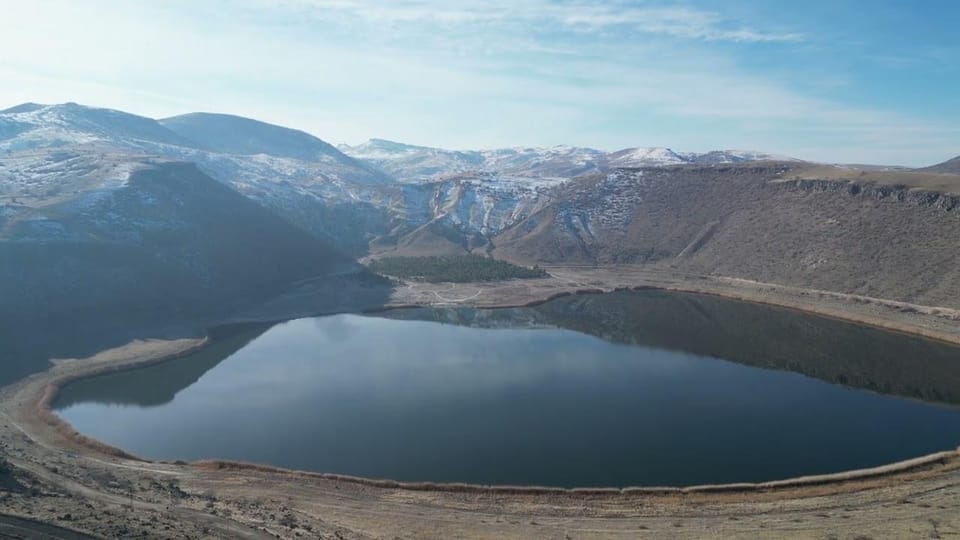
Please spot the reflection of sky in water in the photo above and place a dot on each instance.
(420, 400)
(348, 354)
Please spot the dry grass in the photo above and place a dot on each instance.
(824, 232)
(911, 179)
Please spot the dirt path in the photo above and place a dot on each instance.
(418, 289)
(68, 483)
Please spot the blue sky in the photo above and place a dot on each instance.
(832, 80)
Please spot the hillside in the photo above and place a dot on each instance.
(877, 231)
(32, 126)
(951, 166)
(394, 197)
(94, 260)
(768, 222)
(228, 134)
(299, 176)
(196, 237)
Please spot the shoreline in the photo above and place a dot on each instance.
(27, 406)
(46, 412)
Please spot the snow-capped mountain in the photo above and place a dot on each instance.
(82, 230)
(384, 194)
(734, 156)
(554, 161)
(196, 137)
(228, 134)
(293, 173)
(408, 163)
(645, 157)
(658, 157)
(32, 126)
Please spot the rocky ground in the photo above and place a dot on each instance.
(69, 483)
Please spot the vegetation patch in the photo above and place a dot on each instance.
(453, 268)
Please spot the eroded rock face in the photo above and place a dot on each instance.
(901, 193)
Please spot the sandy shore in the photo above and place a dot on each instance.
(77, 483)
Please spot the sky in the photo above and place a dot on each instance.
(853, 81)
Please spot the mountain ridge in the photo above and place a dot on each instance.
(423, 163)
(558, 204)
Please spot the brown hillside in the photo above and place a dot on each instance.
(869, 233)
(951, 166)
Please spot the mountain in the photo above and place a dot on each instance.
(388, 196)
(951, 166)
(409, 163)
(98, 229)
(876, 233)
(199, 137)
(424, 164)
(104, 212)
(306, 192)
(734, 156)
(100, 248)
(228, 134)
(552, 162)
(414, 163)
(460, 213)
(654, 157)
(51, 126)
(644, 157)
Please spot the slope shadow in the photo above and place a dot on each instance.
(28, 345)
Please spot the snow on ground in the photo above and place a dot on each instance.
(645, 157)
(51, 154)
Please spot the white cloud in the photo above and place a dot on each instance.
(680, 22)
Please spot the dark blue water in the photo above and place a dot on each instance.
(508, 397)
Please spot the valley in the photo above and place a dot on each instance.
(174, 499)
(126, 240)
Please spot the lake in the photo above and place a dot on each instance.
(627, 389)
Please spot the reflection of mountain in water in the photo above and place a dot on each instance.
(166, 379)
(26, 346)
(750, 334)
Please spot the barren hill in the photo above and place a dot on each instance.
(889, 235)
(951, 166)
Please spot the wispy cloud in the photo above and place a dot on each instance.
(678, 22)
(464, 74)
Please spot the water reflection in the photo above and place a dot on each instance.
(750, 334)
(517, 397)
(166, 379)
